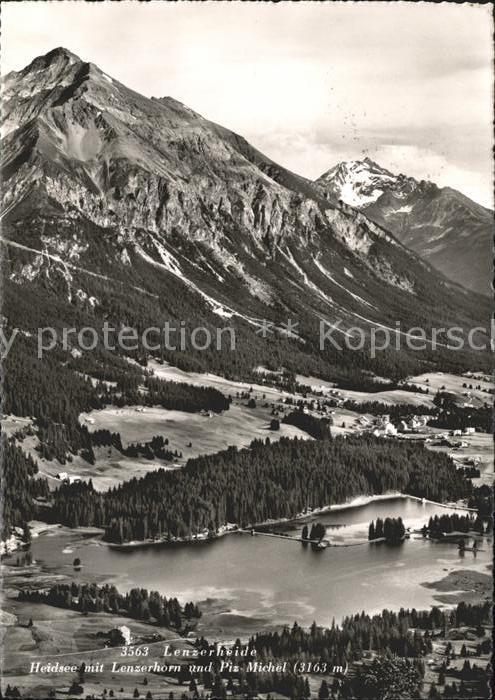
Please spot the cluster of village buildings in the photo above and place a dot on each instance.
(382, 425)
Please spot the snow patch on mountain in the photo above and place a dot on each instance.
(170, 264)
(352, 194)
(83, 296)
(124, 257)
(356, 182)
(9, 125)
(325, 297)
(327, 274)
(360, 183)
(169, 261)
(406, 209)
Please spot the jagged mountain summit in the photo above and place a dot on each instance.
(446, 228)
(104, 187)
(359, 183)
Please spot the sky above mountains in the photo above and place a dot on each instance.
(310, 84)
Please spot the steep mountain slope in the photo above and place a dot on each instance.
(446, 228)
(139, 210)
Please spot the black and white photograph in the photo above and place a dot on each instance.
(247, 350)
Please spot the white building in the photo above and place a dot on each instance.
(69, 478)
(126, 633)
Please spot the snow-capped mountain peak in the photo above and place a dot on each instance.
(359, 183)
(100, 178)
(435, 222)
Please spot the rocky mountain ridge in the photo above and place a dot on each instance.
(102, 183)
(446, 228)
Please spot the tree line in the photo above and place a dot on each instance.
(392, 530)
(316, 532)
(19, 488)
(453, 522)
(54, 394)
(398, 640)
(138, 603)
(396, 412)
(262, 482)
(154, 448)
(454, 417)
(318, 428)
(481, 499)
(177, 396)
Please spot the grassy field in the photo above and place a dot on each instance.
(190, 434)
(226, 386)
(479, 445)
(193, 434)
(111, 466)
(72, 638)
(392, 396)
(434, 381)
(440, 381)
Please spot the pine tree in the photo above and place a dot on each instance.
(324, 692)
(433, 693)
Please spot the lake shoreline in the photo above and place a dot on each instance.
(468, 585)
(256, 594)
(234, 528)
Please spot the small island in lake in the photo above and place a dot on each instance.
(391, 530)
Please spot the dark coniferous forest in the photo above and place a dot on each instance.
(18, 499)
(318, 428)
(391, 530)
(55, 395)
(138, 603)
(250, 486)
